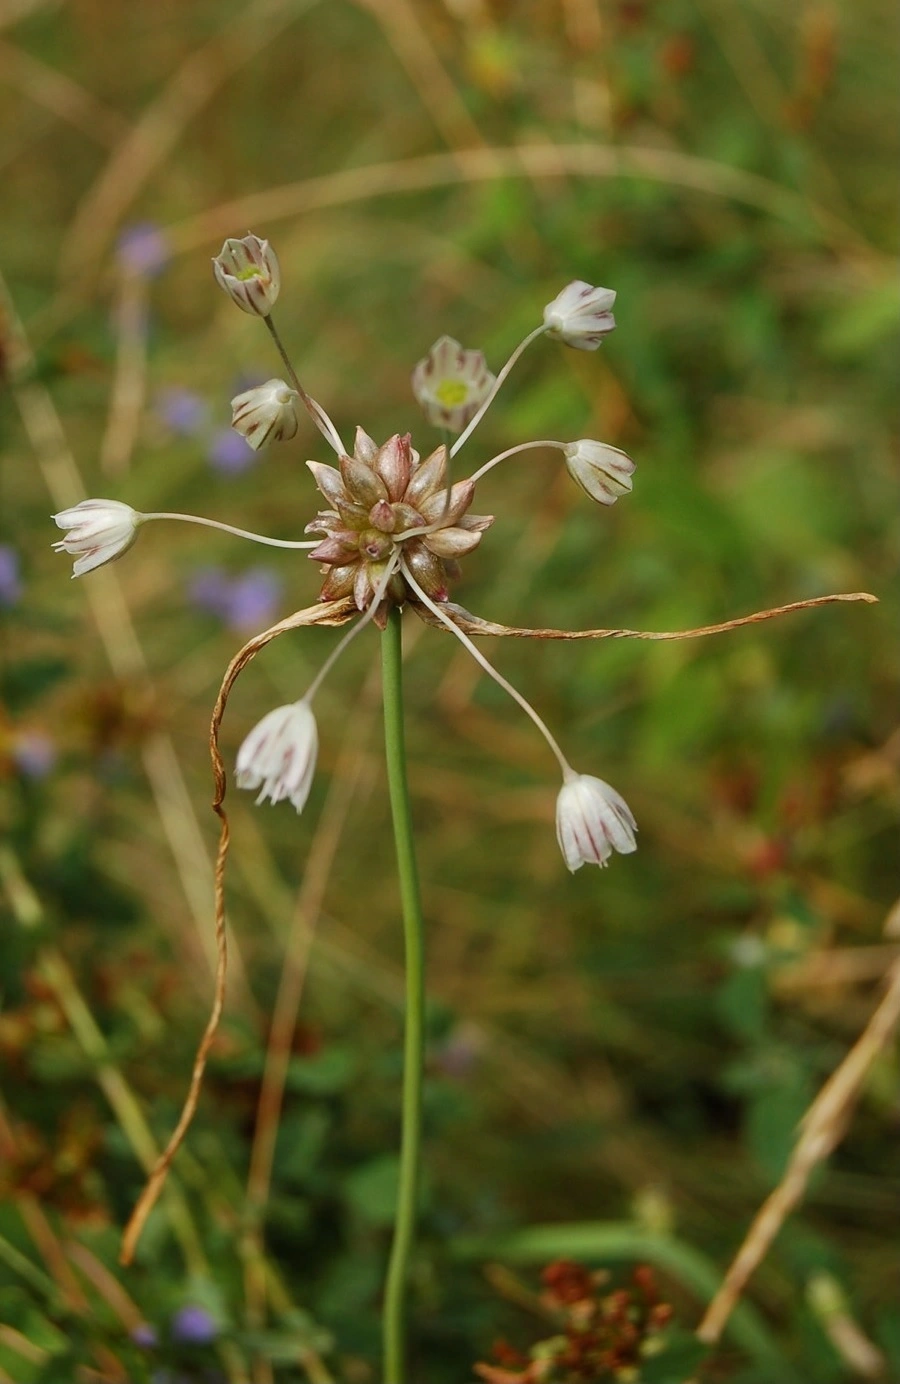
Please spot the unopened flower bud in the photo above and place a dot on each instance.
(279, 755)
(97, 531)
(603, 472)
(592, 820)
(451, 384)
(581, 315)
(248, 272)
(265, 414)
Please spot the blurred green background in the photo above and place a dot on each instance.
(629, 1049)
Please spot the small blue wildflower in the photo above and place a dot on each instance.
(34, 754)
(193, 1325)
(143, 249)
(183, 412)
(10, 582)
(229, 454)
(242, 603)
(145, 1336)
(254, 599)
(210, 591)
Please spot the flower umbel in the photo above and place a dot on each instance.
(603, 472)
(581, 316)
(265, 414)
(279, 755)
(592, 821)
(451, 384)
(248, 271)
(97, 531)
(386, 502)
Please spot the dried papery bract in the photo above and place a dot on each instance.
(321, 614)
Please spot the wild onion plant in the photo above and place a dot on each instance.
(389, 538)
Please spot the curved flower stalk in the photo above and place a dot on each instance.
(391, 536)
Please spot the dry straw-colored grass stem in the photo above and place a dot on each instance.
(821, 1130)
(425, 172)
(144, 148)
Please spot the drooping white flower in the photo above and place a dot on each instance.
(451, 384)
(603, 472)
(581, 316)
(248, 271)
(279, 755)
(97, 531)
(265, 414)
(592, 821)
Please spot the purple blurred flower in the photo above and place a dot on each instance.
(229, 453)
(183, 412)
(461, 1051)
(145, 1336)
(10, 583)
(210, 591)
(254, 599)
(34, 753)
(247, 602)
(143, 249)
(194, 1326)
(249, 379)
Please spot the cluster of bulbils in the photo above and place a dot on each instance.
(394, 528)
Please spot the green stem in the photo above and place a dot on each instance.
(394, 1313)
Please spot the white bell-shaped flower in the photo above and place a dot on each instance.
(603, 472)
(592, 821)
(279, 755)
(581, 316)
(97, 531)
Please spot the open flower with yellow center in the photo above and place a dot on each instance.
(451, 384)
